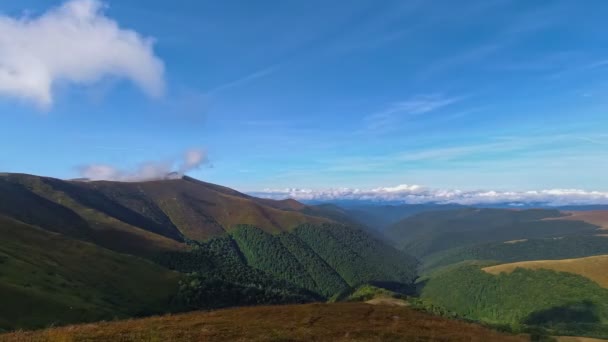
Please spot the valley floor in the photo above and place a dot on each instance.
(308, 322)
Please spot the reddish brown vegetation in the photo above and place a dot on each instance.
(311, 322)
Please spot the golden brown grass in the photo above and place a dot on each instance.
(310, 322)
(578, 339)
(516, 241)
(595, 217)
(593, 267)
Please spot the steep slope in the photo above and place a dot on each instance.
(46, 278)
(311, 322)
(141, 217)
(201, 210)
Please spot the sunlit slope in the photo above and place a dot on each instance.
(594, 268)
(311, 322)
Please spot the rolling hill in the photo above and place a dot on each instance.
(210, 246)
(559, 303)
(593, 268)
(432, 232)
(310, 322)
(566, 247)
(506, 267)
(595, 217)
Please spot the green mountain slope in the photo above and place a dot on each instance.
(532, 249)
(46, 278)
(562, 303)
(432, 232)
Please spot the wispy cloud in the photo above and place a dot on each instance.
(506, 148)
(398, 111)
(244, 80)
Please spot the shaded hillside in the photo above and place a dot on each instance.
(432, 232)
(311, 322)
(380, 217)
(46, 278)
(527, 249)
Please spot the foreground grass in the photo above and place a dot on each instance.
(309, 322)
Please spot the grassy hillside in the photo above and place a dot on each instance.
(594, 268)
(46, 278)
(561, 303)
(144, 217)
(312, 322)
(528, 249)
(428, 233)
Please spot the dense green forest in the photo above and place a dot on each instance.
(534, 249)
(357, 257)
(562, 303)
(255, 267)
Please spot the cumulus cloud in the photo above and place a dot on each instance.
(415, 194)
(150, 170)
(74, 43)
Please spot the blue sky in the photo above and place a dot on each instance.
(504, 95)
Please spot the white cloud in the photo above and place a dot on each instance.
(415, 194)
(150, 170)
(73, 43)
(193, 159)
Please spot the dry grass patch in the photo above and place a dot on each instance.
(578, 339)
(595, 217)
(593, 267)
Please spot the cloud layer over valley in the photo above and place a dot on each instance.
(415, 194)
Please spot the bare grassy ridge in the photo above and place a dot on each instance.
(593, 267)
(595, 217)
(310, 322)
